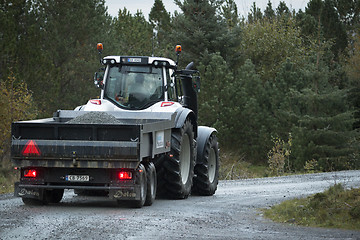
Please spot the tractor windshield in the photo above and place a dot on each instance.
(134, 87)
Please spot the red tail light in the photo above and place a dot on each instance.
(31, 149)
(30, 173)
(125, 175)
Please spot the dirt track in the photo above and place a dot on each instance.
(232, 213)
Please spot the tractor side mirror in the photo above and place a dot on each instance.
(98, 79)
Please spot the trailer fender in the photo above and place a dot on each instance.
(182, 115)
(203, 135)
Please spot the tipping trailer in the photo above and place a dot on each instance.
(140, 139)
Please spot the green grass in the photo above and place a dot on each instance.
(233, 166)
(334, 208)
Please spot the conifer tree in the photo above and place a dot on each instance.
(255, 14)
(269, 12)
(201, 31)
(326, 23)
(230, 13)
(160, 21)
(320, 116)
(134, 33)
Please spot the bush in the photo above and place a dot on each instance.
(278, 156)
(17, 104)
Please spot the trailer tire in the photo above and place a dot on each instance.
(207, 169)
(151, 184)
(53, 196)
(142, 181)
(178, 167)
(32, 201)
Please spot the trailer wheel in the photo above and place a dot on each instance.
(53, 196)
(179, 165)
(151, 183)
(142, 180)
(32, 201)
(207, 169)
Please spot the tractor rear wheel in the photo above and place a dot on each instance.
(177, 170)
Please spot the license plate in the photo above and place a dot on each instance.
(77, 178)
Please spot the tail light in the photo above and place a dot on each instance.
(30, 173)
(124, 175)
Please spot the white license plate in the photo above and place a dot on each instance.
(77, 178)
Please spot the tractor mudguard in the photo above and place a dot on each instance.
(182, 115)
(203, 135)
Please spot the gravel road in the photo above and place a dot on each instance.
(232, 213)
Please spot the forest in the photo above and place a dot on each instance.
(281, 86)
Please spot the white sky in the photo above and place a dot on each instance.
(242, 5)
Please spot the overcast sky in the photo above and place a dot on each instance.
(242, 5)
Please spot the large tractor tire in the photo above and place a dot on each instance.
(175, 174)
(207, 168)
(151, 183)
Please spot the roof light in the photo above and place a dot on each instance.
(178, 49)
(30, 173)
(31, 149)
(100, 47)
(125, 175)
(95, 101)
(167, 104)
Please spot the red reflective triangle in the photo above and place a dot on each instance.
(31, 149)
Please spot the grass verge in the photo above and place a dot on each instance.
(233, 166)
(334, 208)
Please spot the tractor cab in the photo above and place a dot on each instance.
(136, 83)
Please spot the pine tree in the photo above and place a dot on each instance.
(326, 23)
(322, 119)
(230, 13)
(161, 23)
(69, 31)
(255, 14)
(269, 12)
(134, 33)
(282, 10)
(201, 31)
